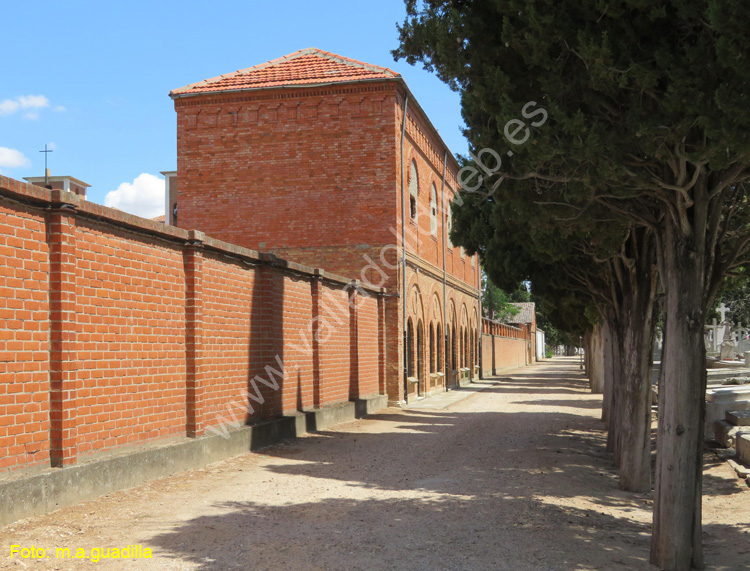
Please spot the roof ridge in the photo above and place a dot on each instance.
(290, 57)
(349, 61)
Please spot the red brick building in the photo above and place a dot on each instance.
(331, 162)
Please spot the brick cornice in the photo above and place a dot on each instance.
(433, 271)
(268, 94)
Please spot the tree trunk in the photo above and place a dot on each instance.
(608, 373)
(595, 361)
(676, 543)
(587, 355)
(637, 322)
(614, 372)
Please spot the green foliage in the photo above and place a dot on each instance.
(514, 252)
(736, 296)
(496, 304)
(643, 148)
(645, 112)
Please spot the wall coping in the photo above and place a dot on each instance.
(496, 322)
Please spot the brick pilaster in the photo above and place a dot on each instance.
(316, 287)
(381, 343)
(195, 366)
(353, 340)
(61, 232)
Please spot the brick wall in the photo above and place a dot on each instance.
(115, 330)
(289, 168)
(504, 347)
(314, 175)
(130, 329)
(424, 151)
(231, 350)
(369, 349)
(24, 336)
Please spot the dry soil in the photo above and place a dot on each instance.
(513, 477)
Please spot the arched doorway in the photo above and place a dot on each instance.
(409, 349)
(433, 361)
(454, 355)
(420, 358)
(439, 341)
(460, 361)
(466, 347)
(472, 353)
(448, 356)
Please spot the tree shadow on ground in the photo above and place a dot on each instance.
(594, 404)
(717, 485)
(407, 534)
(420, 489)
(487, 505)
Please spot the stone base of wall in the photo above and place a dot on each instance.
(59, 487)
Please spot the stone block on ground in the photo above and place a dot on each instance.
(720, 400)
(727, 365)
(743, 448)
(741, 470)
(723, 374)
(725, 433)
(739, 417)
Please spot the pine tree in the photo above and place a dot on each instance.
(638, 107)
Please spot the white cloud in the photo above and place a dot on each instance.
(32, 102)
(8, 106)
(11, 158)
(60, 108)
(142, 197)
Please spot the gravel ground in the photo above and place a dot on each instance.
(514, 477)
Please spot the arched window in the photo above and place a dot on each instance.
(433, 211)
(413, 190)
(448, 223)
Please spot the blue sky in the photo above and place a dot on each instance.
(92, 79)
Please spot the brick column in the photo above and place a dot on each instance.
(195, 367)
(316, 285)
(270, 330)
(61, 227)
(381, 343)
(353, 340)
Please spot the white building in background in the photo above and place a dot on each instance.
(541, 345)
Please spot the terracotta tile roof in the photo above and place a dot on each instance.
(310, 66)
(525, 314)
(159, 218)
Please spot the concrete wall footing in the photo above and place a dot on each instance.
(59, 487)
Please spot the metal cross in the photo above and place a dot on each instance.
(45, 151)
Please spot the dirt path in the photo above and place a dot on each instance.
(514, 477)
